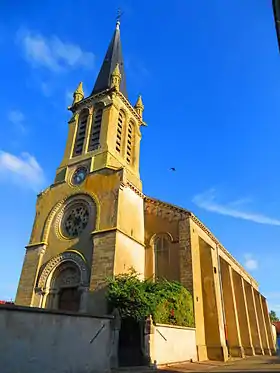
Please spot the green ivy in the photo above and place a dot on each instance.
(168, 302)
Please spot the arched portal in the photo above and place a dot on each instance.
(63, 283)
(65, 287)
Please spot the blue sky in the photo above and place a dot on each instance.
(209, 74)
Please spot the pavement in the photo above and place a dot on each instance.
(252, 364)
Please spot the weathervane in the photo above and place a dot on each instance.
(119, 14)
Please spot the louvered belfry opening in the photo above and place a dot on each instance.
(81, 133)
(94, 141)
(119, 132)
(129, 143)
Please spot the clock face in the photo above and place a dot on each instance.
(79, 175)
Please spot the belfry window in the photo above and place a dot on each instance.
(119, 131)
(94, 140)
(129, 145)
(81, 133)
(162, 257)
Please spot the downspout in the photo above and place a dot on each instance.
(222, 295)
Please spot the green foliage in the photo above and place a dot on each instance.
(273, 317)
(168, 302)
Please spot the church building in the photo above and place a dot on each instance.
(94, 222)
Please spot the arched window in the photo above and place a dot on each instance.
(162, 257)
(129, 145)
(120, 131)
(81, 133)
(95, 130)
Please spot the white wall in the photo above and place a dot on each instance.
(172, 344)
(39, 341)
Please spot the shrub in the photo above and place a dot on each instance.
(168, 302)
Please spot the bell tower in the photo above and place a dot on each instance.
(104, 131)
(89, 223)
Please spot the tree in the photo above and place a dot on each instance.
(273, 317)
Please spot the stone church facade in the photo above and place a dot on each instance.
(94, 222)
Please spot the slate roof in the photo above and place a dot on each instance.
(112, 57)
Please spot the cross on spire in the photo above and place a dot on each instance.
(112, 58)
(119, 14)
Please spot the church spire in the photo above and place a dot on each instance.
(112, 58)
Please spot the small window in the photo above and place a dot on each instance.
(119, 132)
(94, 140)
(129, 144)
(81, 133)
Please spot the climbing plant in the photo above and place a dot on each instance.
(273, 316)
(168, 302)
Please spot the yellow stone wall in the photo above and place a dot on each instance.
(231, 317)
(114, 237)
(122, 232)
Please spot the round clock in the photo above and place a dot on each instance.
(79, 175)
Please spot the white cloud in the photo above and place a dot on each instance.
(51, 52)
(250, 263)
(207, 201)
(23, 169)
(17, 118)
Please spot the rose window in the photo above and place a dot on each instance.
(75, 220)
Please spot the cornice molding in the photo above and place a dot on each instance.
(133, 187)
(116, 229)
(164, 210)
(221, 247)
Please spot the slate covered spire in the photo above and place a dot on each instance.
(112, 58)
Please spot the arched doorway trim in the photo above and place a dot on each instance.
(51, 295)
(72, 256)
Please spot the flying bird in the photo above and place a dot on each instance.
(173, 169)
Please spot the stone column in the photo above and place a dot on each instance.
(197, 297)
(50, 299)
(242, 312)
(26, 295)
(185, 255)
(212, 304)
(262, 327)
(254, 324)
(271, 343)
(268, 352)
(55, 299)
(103, 262)
(72, 129)
(232, 323)
(84, 299)
(88, 130)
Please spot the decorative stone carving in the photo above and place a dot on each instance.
(68, 276)
(58, 260)
(75, 219)
(57, 211)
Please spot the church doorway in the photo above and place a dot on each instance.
(69, 299)
(131, 341)
(65, 292)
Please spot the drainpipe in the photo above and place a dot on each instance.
(222, 295)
